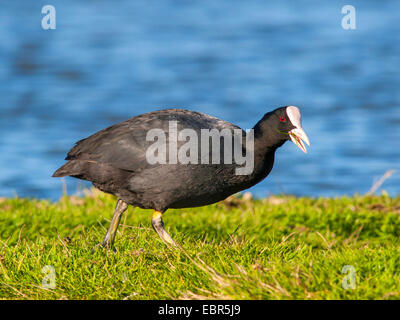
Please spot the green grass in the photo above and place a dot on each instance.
(276, 248)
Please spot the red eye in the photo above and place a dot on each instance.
(282, 119)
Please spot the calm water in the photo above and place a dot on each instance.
(111, 60)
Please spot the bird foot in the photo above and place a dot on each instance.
(103, 245)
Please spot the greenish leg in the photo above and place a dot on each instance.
(158, 226)
(108, 240)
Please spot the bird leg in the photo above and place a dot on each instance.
(108, 240)
(158, 226)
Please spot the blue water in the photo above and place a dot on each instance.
(110, 60)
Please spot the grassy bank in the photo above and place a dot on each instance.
(276, 248)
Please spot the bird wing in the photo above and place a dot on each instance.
(124, 145)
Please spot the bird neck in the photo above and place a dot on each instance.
(267, 137)
(266, 140)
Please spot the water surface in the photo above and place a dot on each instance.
(111, 60)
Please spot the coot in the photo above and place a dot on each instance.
(179, 158)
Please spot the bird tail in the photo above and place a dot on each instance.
(71, 168)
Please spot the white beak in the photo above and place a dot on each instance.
(297, 135)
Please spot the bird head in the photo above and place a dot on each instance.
(288, 122)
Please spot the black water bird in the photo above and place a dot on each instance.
(135, 162)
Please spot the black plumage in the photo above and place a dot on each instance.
(114, 160)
